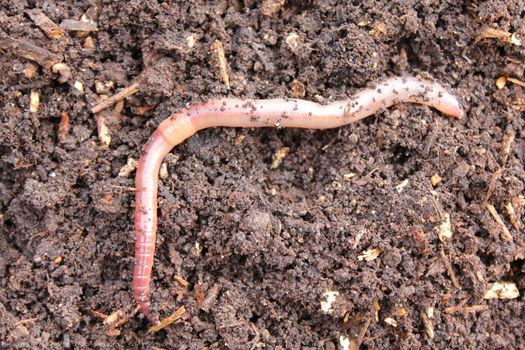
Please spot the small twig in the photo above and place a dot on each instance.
(124, 93)
(28, 320)
(168, 320)
(516, 81)
(505, 231)
(127, 317)
(465, 309)
(492, 184)
(211, 298)
(429, 328)
(257, 337)
(331, 141)
(437, 207)
(232, 325)
(513, 218)
(508, 138)
(363, 331)
(63, 127)
(448, 266)
(30, 51)
(218, 51)
(199, 295)
(125, 188)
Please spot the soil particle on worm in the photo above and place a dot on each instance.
(263, 247)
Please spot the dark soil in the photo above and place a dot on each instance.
(271, 242)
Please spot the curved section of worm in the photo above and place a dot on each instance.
(286, 113)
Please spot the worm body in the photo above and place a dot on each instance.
(286, 113)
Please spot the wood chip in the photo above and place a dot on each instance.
(191, 40)
(34, 102)
(85, 25)
(390, 321)
(64, 71)
(218, 51)
(89, 43)
(420, 238)
(182, 281)
(336, 185)
(239, 139)
(112, 332)
(141, 110)
(127, 169)
(163, 171)
(349, 176)
(430, 312)
(124, 93)
(168, 320)
(270, 7)
(377, 308)
(505, 233)
(344, 342)
(278, 157)
(104, 135)
(378, 30)
(50, 28)
(401, 186)
(501, 82)
(79, 86)
(449, 268)
(491, 33)
(330, 297)
(30, 70)
(114, 318)
(401, 312)
(63, 127)
(502, 290)
(199, 295)
(294, 42)
(518, 201)
(370, 254)
(298, 89)
(436, 180)
(444, 231)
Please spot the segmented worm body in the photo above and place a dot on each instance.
(285, 113)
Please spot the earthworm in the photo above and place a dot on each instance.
(230, 112)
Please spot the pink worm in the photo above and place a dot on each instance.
(286, 113)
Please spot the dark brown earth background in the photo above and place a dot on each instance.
(264, 225)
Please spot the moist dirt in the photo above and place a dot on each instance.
(254, 251)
